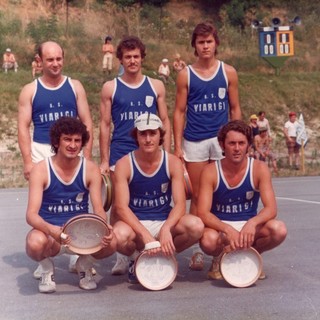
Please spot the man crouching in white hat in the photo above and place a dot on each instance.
(146, 180)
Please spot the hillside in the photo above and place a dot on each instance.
(166, 31)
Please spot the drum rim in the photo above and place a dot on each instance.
(187, 183)
(108, 185)
(247, 284)
(164, 286)
(82, 217)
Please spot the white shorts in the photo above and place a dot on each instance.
(238, 225)
(107, 61)
(204, 150)
(153, 226)
(39, 151)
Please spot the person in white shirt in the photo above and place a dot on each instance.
(263, 122)
(290, 131)
(164, 70)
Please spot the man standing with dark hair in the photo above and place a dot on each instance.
(207, 96)
(123, 99)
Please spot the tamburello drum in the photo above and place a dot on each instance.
(106, 191)
(86, 232)
(156, 272)
(187, 183)
(241, 268)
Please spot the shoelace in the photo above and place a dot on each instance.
(46, 278)
(87, 275)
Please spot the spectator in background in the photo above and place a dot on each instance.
(255, 131)
(107, 50)
(262, 145)
(9, 61)
(178, 64)
(36, 66)
(290, 131)
(164, 70)
(254, 125)
(264, 122)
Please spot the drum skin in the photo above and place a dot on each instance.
(86, 232)
(241, 268)
(156, 272)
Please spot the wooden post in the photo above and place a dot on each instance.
(302, 156)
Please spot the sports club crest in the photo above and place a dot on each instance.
(164, 187)
(222, 93)
(149, 101)
(79, 197)
(249, 195)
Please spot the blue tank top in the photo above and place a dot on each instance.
(62, 201)
(239, 203)
(50, 104)
(128, 103)
(150, 194)
(207, 104)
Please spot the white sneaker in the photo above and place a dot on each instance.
(46, 283)
(37, 273)
(121, 266)
(86, 279)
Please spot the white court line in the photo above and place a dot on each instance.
(298, 200)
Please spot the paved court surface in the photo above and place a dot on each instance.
(291, 290)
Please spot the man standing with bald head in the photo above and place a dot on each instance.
(44, 101)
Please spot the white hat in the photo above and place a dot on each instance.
(147, 121)
(165, 60)
(8, 50)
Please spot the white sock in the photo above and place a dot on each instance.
(86, 262)
(46, 264)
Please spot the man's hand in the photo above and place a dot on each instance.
(166, 240)
(27, 169)
(247, 235)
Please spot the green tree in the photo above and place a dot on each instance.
(44, 30)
